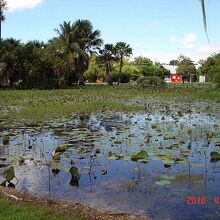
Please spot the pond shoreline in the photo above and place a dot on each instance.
(66, 207)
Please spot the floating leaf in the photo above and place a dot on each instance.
(142, 155)
(5, 139)
(74, 171)
(21, 160)
(10, 174)
(215, 156)
(61, 149)
(154, 126)
(162, 182)
(167, 177)
(119, 156)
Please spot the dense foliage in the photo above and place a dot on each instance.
(211, 68)
(186, 67)
(75, 55)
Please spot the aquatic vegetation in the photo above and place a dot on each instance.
(35, 106)
(75, 176)
(21, 160)
(9, 176)
(165, 180)
(141, 156)
(86, 153)
(5, 139)
(215, 156)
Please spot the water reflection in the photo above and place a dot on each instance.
(96, 168)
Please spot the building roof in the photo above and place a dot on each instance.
(171, 68)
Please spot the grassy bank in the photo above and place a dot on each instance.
(26, 211)
(15, 205)
(39, 105)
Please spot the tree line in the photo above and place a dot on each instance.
(209, 67)
(76, 54)
(73, 58)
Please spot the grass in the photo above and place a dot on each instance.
(39, 105)
(27, 211)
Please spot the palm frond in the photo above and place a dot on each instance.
(204, 18)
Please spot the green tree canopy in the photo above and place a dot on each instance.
(122, 50)
(186, 67)
(78, 40)
(106, 58)
(211, 68)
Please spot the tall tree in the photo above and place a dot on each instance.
(106, 58)
(122, 50)
(186, 67)
(174, 62)
(2, 16)
(89, 41)
(79, 40)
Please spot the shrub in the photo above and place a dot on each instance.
(150, 81)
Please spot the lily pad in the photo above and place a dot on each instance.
(163, 182)
(5, 139)
(21, 160)
(215, 156)
(142, 155)
(10, 174)
(61, 149)
(74, 171)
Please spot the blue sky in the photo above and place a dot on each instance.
(158, 29)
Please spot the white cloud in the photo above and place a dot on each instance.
(173, 38)
(154, 24)
(157, 56)
(189, 38)
(196, 54)
(187, 41)
(14, 5)
(204, 51)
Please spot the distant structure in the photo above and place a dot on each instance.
(174, 76)
(203, 79)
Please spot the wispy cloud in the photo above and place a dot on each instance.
(187, 41)
(157, 56)
(154, 24)
(14, 5)
(173, 38)
(196, 54)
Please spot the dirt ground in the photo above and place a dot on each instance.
(64, 206)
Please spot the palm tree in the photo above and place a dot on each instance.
(89, 41)
(122, 50)
(78, 41)
(2, 17)
(106, 58)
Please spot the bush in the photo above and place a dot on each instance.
(63, 83)
(150, 81)
(217, 79)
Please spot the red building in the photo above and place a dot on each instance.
(176, 78)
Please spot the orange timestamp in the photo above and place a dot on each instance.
(201, 200)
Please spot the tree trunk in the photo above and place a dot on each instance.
(0, 29)
(83, 65)
(120, 70)
(80, 79)
(109, 75)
